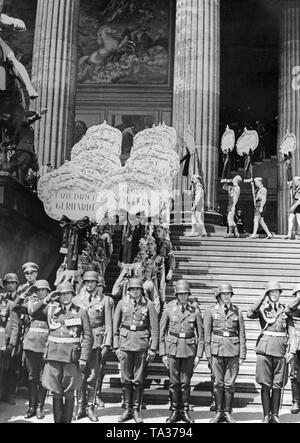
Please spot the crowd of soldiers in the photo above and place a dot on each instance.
(65, 339)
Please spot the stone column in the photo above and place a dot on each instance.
(55, 77)
(197, 86)
(289, 99)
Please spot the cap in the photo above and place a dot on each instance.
(182, 287)
(91, 276)
(101, 282)
(135, 283)
(11, 278)
(42, 284)
(273, 286)
(64, 288)
(225, 287)
(28, 267)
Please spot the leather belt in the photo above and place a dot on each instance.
(63, 340)
(134, 328)
(225, 334)
(39, 330)
(274, 334)
(183, 334)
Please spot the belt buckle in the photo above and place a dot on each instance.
(133, 328)
(226, 334)
(182, 335)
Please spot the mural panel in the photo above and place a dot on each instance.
(125, 42)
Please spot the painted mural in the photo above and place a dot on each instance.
(125, 42)
(21, 42)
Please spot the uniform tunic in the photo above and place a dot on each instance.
(100, 310)
(296, 198)
(271, 345)
(234, 193)
(181, 339)
(225, 343)
(70, 340)
(260, 195)
(293, 311)
(135, 332)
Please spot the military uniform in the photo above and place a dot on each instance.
(225, 346)
(165, 250)
(100, 310)
(70, 340)
(136, 331)
(293, 311)
(271, 348)
(182, 340)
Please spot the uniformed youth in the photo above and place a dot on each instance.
(295, 208)
(225, 348)
(271, 348)
(136, 334)
(181, 347)
(100, 311)
(69, 344)
(8, 361)
(293, 311)
(261, 194)
(34, 346)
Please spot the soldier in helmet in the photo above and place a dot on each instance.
(136, 333)
(225, 348)
(8, 362)
(34, 346)
(100, 310)
(181, 348)
(293, 311)
(271, 349)
(70, 342)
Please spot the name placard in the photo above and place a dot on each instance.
(74, 203)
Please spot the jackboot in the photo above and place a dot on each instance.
(99, 402)
(266, 404)
(276, 399)
(90, 410)
(175, 406)
(229, 396)
(296, 397)
(127, 415)
(58, 409)
(219, 393)
(68, 410)
(212, 407)
(186, 407)
(137, 403)
(42, 393)
(32, 391)
(82, 402)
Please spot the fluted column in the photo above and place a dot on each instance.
(289, 99)
(55, 77)
(197, 85)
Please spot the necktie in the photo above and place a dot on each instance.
(275, 307)
(182, 309)
(226, 309)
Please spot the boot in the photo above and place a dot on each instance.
(32, 390)
(58, 408)
(127, 415)
(212, 407)
(81, 413)
(219, 393)
(137, 404)
(266, 404)
(90, 410)
(41, 403)
(185, 412)
(296, 397)
(68, 410)
(228, 407)
(276, 398)
(175, 401)
(100, 403)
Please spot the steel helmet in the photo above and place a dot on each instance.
(224, 287)
(182, 287)
(42, 284)
(65, 287)
(11, 278)
(296, 289)
(273, 286)
(91, 276)
(101, 282)
(135, 283)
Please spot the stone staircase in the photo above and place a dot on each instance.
(248, 265)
